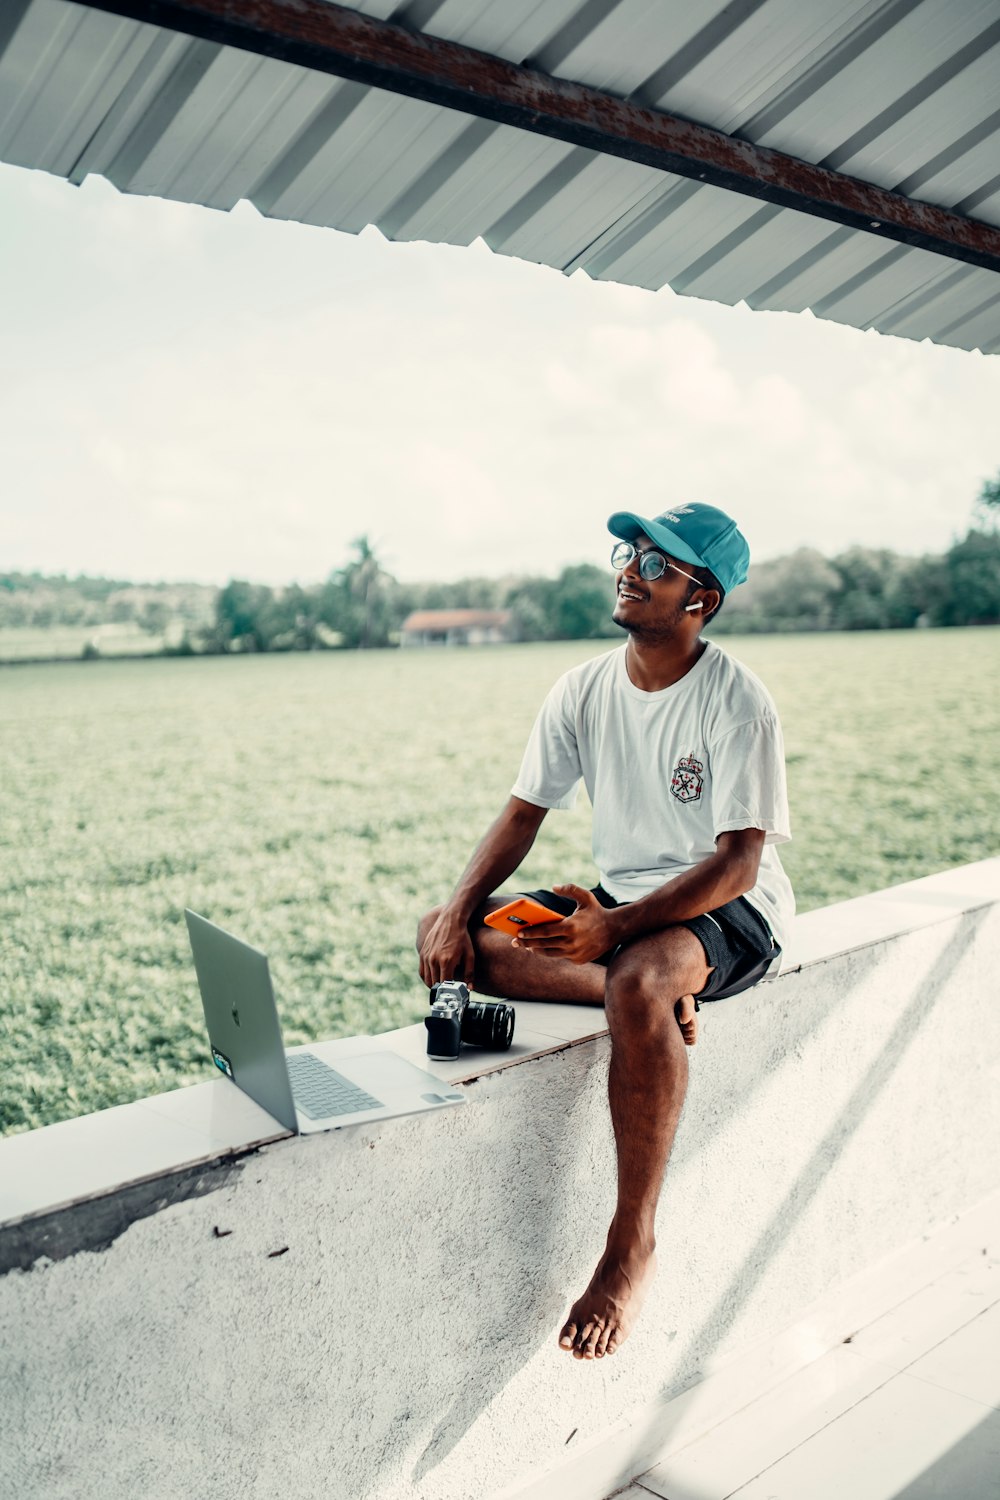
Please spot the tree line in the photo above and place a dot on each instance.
(38, 601)
(361, 605)
(875, 589)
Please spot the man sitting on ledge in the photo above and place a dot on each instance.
(680, 749)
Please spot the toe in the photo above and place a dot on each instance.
(589, 1348)
(584, 1331)
(684, 1010)
(601, 1347)
(568, 1336)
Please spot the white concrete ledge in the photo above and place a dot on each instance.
(46, 1170)
(204, 1305)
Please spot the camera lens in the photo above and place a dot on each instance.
(488, 1024)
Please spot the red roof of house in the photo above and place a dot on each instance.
(456, 619)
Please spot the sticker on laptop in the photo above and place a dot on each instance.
(222, 1063)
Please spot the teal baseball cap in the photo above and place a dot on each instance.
(700, 534)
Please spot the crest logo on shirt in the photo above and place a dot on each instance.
(687, 780)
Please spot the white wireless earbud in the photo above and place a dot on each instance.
(690, 607)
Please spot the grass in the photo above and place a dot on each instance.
(316, 804)
(68, 642)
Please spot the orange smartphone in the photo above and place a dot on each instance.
(528, 910)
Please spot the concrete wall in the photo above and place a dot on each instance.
(372, 1313)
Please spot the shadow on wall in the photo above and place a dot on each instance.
(522, 1276)
(870, 1087)
(535, 1285)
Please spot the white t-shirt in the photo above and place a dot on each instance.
(666, 772)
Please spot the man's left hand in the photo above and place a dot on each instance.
(581, 937)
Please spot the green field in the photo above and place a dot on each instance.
(68, 642)
(317, 803)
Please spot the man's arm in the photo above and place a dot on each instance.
(729, 872)
(447, 951)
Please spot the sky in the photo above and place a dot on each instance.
(189, 395)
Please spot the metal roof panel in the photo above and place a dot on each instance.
(902, 93)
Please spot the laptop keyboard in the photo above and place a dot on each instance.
(318, 1091)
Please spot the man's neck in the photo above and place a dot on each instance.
(655, 665)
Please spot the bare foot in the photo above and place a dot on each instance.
(601, 1320)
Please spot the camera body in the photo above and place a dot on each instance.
(456, 1018)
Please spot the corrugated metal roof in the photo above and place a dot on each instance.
(900, 93)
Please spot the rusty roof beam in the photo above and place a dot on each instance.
(332, 39)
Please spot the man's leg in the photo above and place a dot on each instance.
(646, 1088)
(516, 974)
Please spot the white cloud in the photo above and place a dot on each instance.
(189, 394)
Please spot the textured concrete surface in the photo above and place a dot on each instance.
(372, 1313)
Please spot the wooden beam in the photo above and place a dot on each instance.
(332, 39)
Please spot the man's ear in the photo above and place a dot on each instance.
(709, 601)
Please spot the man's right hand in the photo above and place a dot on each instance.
(447, 951)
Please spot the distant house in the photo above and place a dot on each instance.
(456, 627)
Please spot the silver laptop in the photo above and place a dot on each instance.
(298, 1088)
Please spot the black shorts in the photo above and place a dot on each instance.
(737, 941)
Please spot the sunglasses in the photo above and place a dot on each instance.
(652, 564)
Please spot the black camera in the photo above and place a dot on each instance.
(455, 1018)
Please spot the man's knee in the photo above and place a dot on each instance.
(636, 999)
(644, 984)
